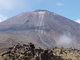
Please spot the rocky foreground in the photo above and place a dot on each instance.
(30, 52)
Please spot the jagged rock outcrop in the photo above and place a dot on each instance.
(30, 52)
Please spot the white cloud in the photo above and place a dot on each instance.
(78, 21)
(12, 4)
(2, 18)
(59, 4)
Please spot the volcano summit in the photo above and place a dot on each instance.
(41, 27)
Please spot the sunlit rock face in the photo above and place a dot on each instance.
(41, 27)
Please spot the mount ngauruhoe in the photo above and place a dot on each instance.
(41, 27)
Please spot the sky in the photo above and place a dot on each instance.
(67, 8)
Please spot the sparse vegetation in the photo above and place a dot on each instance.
(30, 52)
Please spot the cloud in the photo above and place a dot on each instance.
(11, 4)
(78, 21)
(65, 40)
(59, 4)
(2, 18)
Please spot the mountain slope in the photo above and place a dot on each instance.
(41, 27)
